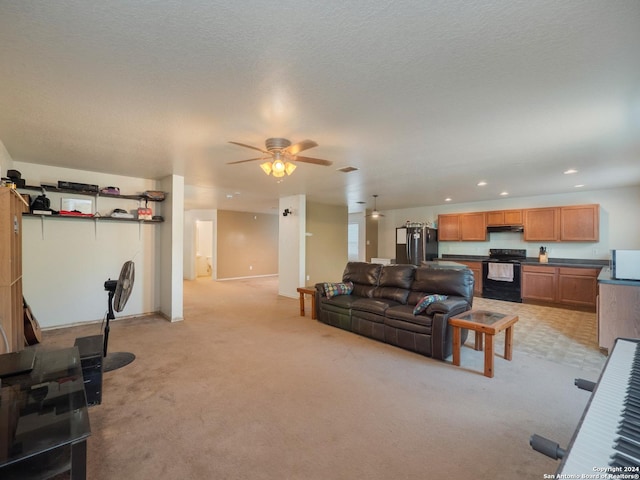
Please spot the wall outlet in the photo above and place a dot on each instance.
(595, 251)
(308, 278)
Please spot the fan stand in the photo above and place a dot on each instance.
(113, 361)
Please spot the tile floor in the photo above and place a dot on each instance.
(565, 336)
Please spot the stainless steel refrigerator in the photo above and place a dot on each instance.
(415, 244)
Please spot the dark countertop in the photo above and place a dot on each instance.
(553, 262)
(605, 277)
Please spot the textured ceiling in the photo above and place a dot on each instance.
(424, 97)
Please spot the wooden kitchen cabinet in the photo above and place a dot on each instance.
(573, 223)
(578, 286)
(504, 217)
(476, 268)
(473, 227)
(565, 286)
(580, 223)
(449, 228)
(11, 308)
(466, 227)
(618, 313)
(542, 224)
(539, 283)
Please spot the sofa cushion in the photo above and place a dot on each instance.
(448, 282)
(364, 277)
(395, 282)
(411, 322)
(427, 300)
(335, 289)
(373, 305)
(341, 302)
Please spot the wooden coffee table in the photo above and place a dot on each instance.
(485, 323)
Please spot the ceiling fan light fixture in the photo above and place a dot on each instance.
(289, 168)
(266, 166)
(278, 168)
(281, 150)
(375, 214)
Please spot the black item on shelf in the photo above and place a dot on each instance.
(78, 187)
(16, 177)
(41, 203)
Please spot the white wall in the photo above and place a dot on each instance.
(6, 162)
(67, 261)
(291, 245)
(619, 225)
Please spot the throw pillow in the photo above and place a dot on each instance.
(333, 289)
(427, 300)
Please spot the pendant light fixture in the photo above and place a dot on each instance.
(375, 213)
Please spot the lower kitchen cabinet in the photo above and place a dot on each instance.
(476, 268)
(618, 313)
(566, 286)
(539, 283)
(578, 286)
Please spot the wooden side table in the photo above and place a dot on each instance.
(488, 324)
(309, 291)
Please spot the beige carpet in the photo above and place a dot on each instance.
(245, 388)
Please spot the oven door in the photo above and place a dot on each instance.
(502, 289)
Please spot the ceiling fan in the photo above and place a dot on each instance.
(282, 155)
(375, 213)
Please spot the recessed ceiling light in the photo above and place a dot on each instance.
(448, 199)
(229, 195)
(482, 183)
(504, 194)
(570, 171)
(578, 186)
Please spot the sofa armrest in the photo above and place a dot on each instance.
(451, 304)
(442, 332)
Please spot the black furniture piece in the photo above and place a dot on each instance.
(382, 302)
(44, 422)
(92, 365)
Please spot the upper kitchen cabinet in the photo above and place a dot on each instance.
(473, 227)
(504, 217)
(466, 227)
(580, 223)
(574, 223)
(542, 224)
(449, 228)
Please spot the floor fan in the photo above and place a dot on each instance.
(119, 291)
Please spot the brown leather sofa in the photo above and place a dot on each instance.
(381, 304)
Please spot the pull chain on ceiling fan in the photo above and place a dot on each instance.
(282, 155)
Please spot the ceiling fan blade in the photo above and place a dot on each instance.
(249, 160)
(251, 147)
(316, 161)
(300, 146)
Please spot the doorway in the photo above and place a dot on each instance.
(204, 248)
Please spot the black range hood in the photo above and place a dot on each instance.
(505, 228)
